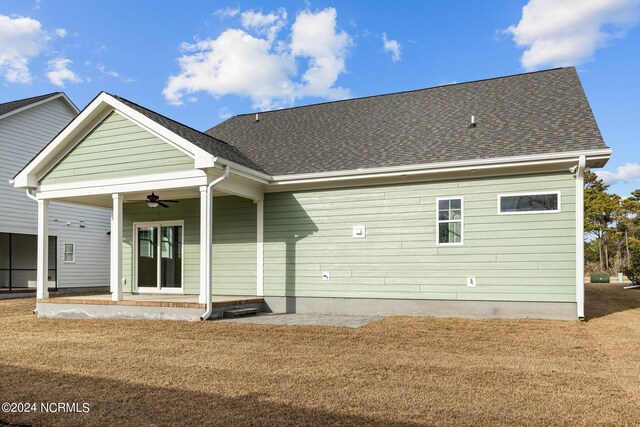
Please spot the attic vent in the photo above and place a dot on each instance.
(473, 122)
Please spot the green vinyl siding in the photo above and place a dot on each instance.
(234, 246)
(118, 148)
(514, 257)
(234, 242)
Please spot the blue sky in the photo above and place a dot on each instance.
(206, 61)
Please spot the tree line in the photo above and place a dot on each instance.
(612, 227)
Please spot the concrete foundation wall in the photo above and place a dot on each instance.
(80, 311)
(441, 308)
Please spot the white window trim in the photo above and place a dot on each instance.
(157, 289)
(64, 245)
(461, 242)
(531, 193)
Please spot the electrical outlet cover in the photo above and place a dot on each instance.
(472, 282)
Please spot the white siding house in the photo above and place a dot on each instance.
(80, 232)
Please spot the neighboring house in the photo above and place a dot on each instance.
(78, 238)
(460, 200)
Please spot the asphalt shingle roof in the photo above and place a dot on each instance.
(533, 113)
(207, 142)
(8, 107)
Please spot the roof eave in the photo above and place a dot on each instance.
(60, 95)
(595, 158)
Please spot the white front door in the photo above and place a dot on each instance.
(159, 256)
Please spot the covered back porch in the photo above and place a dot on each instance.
(193, 256)
(159, 178)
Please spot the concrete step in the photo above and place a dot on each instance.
(239, 312)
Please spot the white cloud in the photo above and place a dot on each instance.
(257, 63)
(58, 72)
(314, 36)
(568, 32)
(227, 12)
(60, 32)
(110, 73)
(21, 40)
(391, 46)
(268, 25)
(626, 173)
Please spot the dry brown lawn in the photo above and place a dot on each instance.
(398, 371)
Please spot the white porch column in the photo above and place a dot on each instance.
(204, 251)
(260, 249)
(116, 248)
(42, 278)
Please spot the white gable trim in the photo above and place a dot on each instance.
(203, 159)
(71, 145)
(28, 177)
(61, 95)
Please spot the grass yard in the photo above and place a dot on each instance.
(398, 371)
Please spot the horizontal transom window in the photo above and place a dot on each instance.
(529, 203)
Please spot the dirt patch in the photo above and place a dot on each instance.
(397, 371)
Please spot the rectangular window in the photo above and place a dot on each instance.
(450, 221)
(69, 254)
(529, 203)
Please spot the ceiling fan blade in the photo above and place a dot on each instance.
(170, 201)
(162, 204)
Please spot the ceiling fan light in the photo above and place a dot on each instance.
(152, 204)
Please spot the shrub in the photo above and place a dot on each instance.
(632, 271)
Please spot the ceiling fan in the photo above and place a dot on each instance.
(153, 201)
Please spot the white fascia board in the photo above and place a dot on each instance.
(27, 177)
(438, 167)
(43, 101)
(157, 129)
(192, 178)
(86, 129)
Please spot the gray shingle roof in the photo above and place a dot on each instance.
(8, 107)
(199, 139)
(534, 113)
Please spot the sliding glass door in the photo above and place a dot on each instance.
(159, 256)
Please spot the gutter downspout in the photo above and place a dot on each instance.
(209, 242)
(31, 196)
(580, 236)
